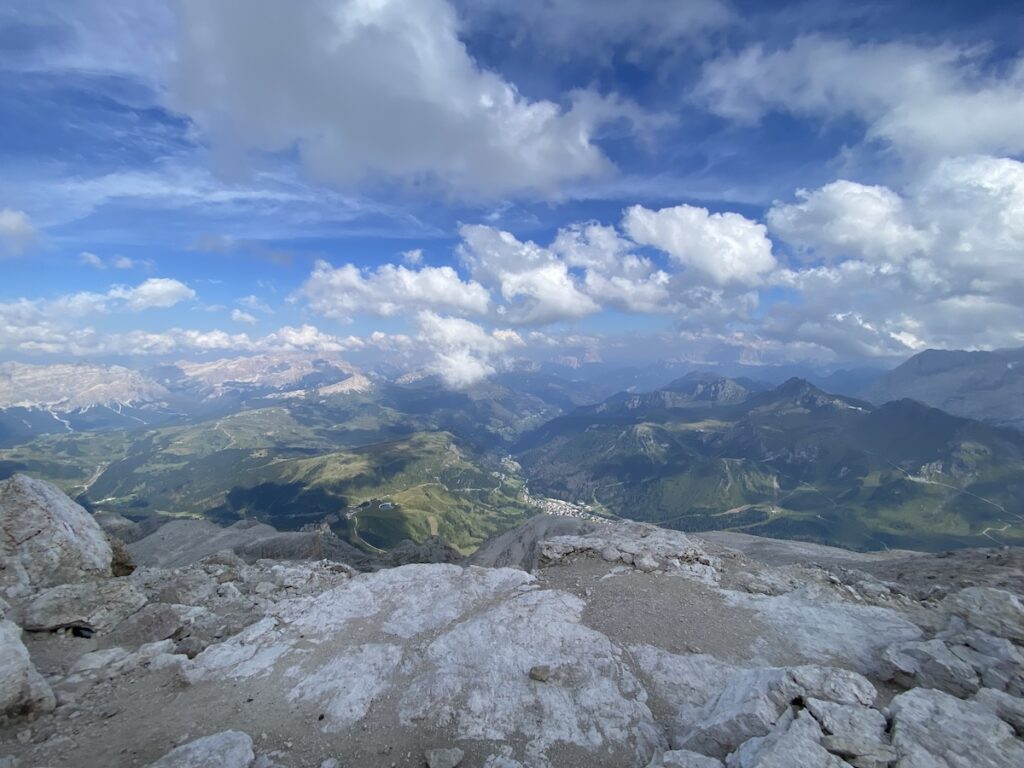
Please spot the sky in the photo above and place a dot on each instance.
(457, 185)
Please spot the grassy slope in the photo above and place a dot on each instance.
(289, 465)
(903, 475)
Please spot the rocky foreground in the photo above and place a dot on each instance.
(563, 643)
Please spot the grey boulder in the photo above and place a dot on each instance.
(227, 749)
(46, 539)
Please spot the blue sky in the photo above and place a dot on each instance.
(461, 184)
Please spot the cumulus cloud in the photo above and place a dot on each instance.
(535, 284)
(725, 247)
(936, 265)
(341, 292)
(256, 304)
(243, 317)
(154, 293)
(464, 353)
(17, 233)
(939, 100)
(60, 325)
(91, 260)
(849, 219)
(382, 89)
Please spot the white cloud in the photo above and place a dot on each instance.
(154, 293)
(848, 219)
(939, 100)
(17, 233)
(341, 292)
(413, 258)
(651, 295)
(938, 265)
(256, 304)
(464, 353)
(598, 247)
(726, 247)
(534, 283)
(117, 262)
(381, 89)
(242, 317)
(91, 260)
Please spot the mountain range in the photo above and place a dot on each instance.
(792, 461)
(302, 441)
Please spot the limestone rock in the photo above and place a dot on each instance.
(46, 539)
(932, 729)
(992, 610)
(753, 701)
(121, 563)
(854, 733)
(153, 622)
(96, 606)
(681, 758)
(997, 661)
(444, 758)
(520, 547)
(1009, 709)
(795, 741)
(645, 547)
(228, 749)
(22, 689)
(931, 664)
(846, 721)
(478, 632)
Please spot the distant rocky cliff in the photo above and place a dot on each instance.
(563, 643)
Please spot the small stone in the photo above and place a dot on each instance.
(444, 758)
(541, 673)
(645, 563)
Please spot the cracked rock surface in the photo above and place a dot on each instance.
(612, 645)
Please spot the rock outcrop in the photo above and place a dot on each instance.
(607, 645)
(22, 689)
(46, 539)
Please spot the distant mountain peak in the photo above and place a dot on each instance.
(800, 393)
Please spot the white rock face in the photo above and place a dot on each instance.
(645, 547)
(46, 538)
(228, 749)
(479, 632)
(996, 611)
(753, 701)
(795, 741)
(22, 689)
(931, 664)
(99, 606)
(65, 387)
(935, 730)
(595, 659)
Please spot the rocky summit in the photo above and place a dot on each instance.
(561, 643)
